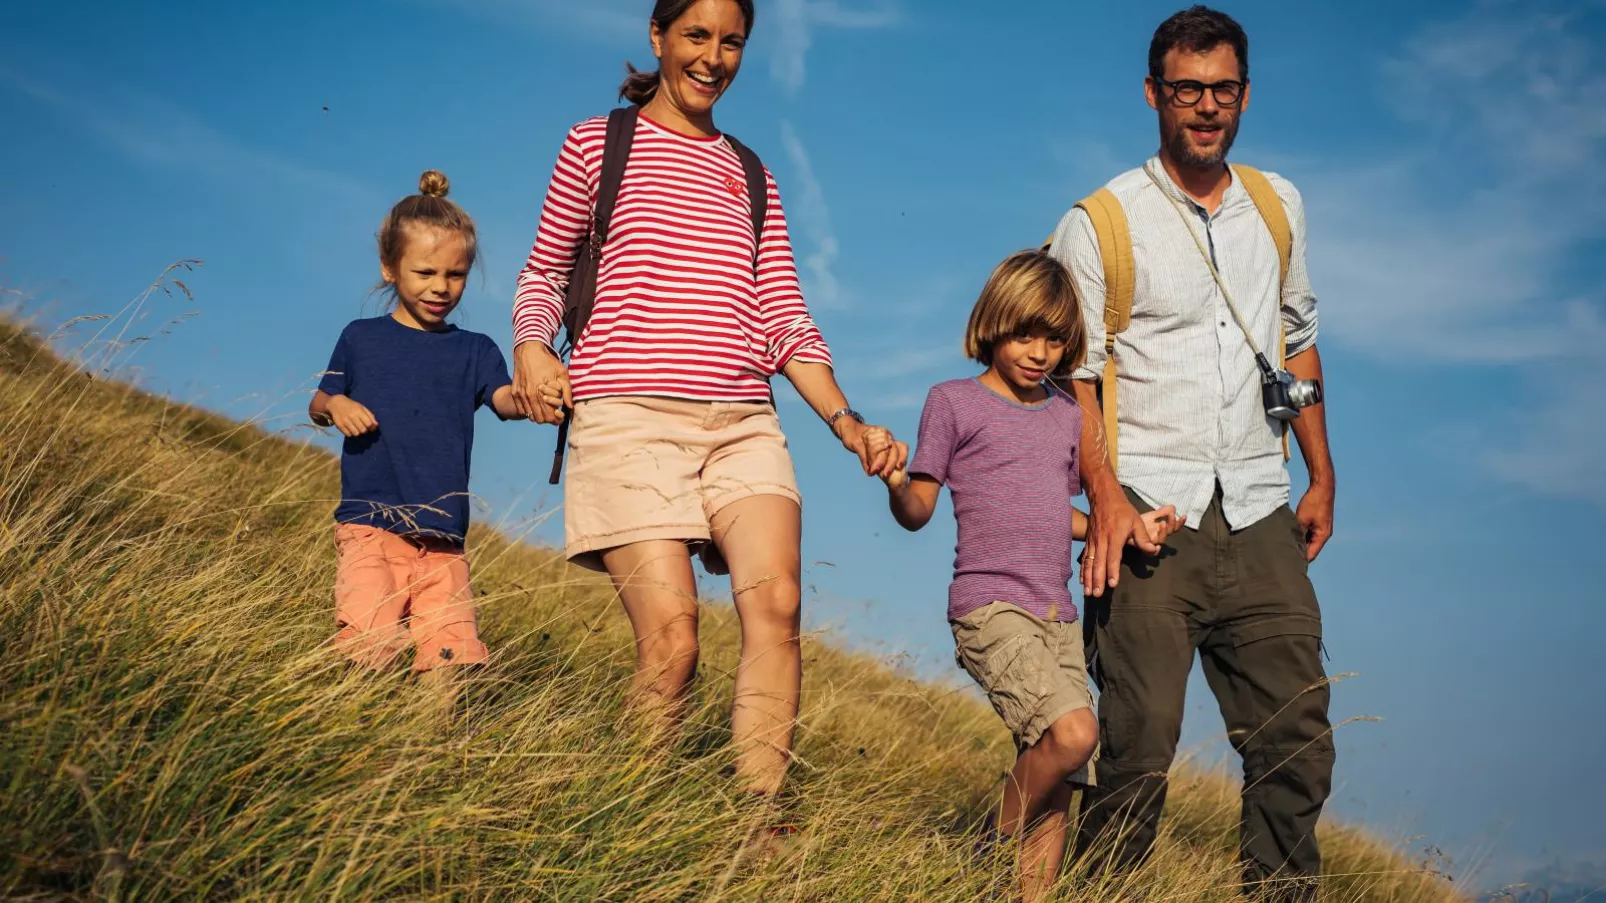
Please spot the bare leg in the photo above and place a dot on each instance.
(659, 593)
(1036, 798)
(760, 539)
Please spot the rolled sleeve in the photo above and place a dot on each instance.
(1299, 301)
(1076, 246)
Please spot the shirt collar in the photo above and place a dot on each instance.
(1234, 192)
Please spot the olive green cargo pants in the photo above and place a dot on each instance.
(1242, 598)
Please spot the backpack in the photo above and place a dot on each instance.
(1120, 276)
(581, 296)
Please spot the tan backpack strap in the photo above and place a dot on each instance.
(1120, 277)
(1276, 219)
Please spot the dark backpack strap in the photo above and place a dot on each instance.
(758, 200)
(758, 190)
(582, 294)
(615, 154)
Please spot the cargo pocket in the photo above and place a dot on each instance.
(1264, 628)
(1003, 650)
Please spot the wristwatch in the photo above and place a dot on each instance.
(845, 412)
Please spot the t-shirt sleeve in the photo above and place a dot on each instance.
(491, 375)
(336, 378)
(934, 448)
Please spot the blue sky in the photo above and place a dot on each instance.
(1451, 157)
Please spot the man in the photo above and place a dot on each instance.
(1193, 431)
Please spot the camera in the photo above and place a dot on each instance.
(1284, 396)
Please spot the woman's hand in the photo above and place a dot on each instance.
(879, 453)
(540, 383)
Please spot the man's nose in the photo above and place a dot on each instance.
(1207, 105)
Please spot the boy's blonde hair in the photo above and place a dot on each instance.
(1029, 292)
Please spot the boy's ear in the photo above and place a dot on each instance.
(386, 274)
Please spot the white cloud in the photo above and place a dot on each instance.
(797, 22)
(154, 132)
(785, 28)
(1459, 254)
(606, 21)
(1471, 253)
(813, 218)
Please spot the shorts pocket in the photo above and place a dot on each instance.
(1004, 651)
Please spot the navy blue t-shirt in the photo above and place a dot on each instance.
(410, 476)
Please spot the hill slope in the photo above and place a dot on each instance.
(173, 726)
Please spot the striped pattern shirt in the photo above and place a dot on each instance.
(1012, 472)
(1189, 403)
(680, 311)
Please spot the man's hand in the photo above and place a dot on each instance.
(1114, 524)
(350, 417)
(1315, 514)
(540, 383)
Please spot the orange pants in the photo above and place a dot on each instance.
(394, 591)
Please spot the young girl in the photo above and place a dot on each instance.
(403, 389)
(1006, 443)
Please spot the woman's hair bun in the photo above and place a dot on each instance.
(433, 183)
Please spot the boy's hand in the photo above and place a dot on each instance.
(879, 453)
(1163, 523)
(350, 417)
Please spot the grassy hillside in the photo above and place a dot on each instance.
(172, 726)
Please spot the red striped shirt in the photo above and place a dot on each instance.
(679, 311)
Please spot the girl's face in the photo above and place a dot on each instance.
(429, 278)
(1024, 360)
(699, 54)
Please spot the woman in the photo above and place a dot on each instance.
(675, 441)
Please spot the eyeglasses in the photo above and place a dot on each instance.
(1189, 92)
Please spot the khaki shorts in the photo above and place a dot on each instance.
(644, 468)
(1033, 671)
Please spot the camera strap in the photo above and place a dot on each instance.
(1260, 357)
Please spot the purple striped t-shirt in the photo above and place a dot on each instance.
(1012, 471)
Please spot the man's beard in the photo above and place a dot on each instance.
(1184, 153)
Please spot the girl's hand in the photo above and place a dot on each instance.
(540, 383)
(350, 417)
(879, 453)
(1162, 524)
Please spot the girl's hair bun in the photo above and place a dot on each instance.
(434, 184)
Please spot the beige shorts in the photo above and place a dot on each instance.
(644, 468)
(1033, 671)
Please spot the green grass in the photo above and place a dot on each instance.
(172, 725)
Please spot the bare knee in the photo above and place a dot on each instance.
(772, 605)
(672, 650)
(1073, 738)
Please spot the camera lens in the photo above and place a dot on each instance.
(1305, 392)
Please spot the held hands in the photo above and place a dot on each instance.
(350, 417)
(1115, 524)
(1163, 524)
(1148, 532)
(540, 384)
(880, 454)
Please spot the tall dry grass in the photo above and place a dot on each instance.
(172, 725)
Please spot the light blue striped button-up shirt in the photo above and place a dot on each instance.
(1190, 412)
